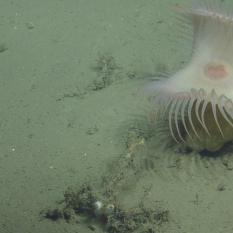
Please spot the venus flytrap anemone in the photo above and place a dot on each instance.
(197, 100)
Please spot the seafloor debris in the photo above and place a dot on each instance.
(113, 218)
(3, 47)
(105, 68)
(135, 138)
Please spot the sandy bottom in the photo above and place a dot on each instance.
(72, 113)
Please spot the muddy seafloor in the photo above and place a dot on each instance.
(72, 114)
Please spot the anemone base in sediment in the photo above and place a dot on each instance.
(213, 136)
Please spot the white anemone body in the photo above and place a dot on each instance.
(206, 79)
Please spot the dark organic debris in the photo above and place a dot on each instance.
(105, 68)
(138, 219)
(76, 93)
(57, 213)
(3, 47)
(114, 219)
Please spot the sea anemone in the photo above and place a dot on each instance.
(197, 101)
